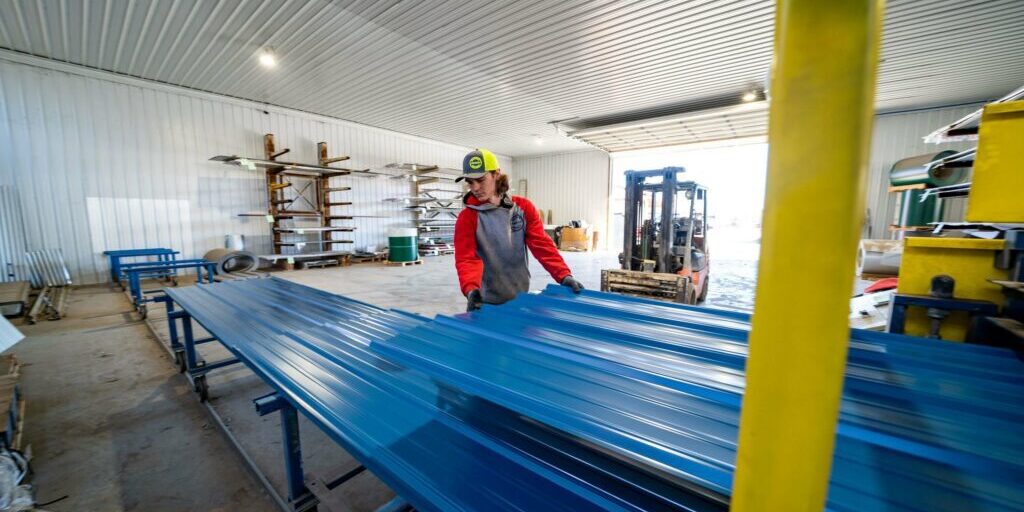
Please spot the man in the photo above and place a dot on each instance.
(492, 234)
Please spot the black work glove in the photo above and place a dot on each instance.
(571, 282)
(474, 300)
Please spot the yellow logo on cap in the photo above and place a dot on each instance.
(475, 162)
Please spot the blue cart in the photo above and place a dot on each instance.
(115, 258)
(136, 272)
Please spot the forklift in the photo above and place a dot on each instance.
(665, 252)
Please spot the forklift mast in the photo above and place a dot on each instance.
(641, 240)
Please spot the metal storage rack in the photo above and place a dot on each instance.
(435, 203)
(301, 206)
(966, 128)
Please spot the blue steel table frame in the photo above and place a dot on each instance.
(114, 258)
(135, 272)
(301, 497)
(186, 356)
(901, 302)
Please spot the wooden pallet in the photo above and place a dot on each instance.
(436, 252)
(359, 258)
(646, 284)
(403, 263)
(329, 262)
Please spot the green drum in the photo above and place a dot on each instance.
(402, 244)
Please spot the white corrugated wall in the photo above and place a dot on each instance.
(106, 162)
(12, 237)
(574, 186)
(898, 136)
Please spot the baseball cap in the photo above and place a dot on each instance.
(477, 163)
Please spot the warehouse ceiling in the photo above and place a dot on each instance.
(496, 74)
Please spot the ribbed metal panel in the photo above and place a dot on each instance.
(598, 401)
(48, 268)
(493, 74)
(103, 162)
(898, 136)
(12, 236)
(661, 384)
(572, 185)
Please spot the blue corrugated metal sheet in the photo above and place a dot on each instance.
(596, 401)
(438, 448)
(924, 425)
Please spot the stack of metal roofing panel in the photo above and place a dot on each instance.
(436, 447)
(924, 425)
(48, 268)
(596, 401)
(50, 275)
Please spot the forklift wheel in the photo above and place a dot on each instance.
(703, 291)
(142, 311)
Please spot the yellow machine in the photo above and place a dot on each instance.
(983, 276)
(969, 261)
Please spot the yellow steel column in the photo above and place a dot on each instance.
(822, 101)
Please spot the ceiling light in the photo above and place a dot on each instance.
(538, 140)
(267, 58)
(750, 96)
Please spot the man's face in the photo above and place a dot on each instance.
(483, 189)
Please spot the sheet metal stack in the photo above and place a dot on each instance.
(599, 401)
(49, 275)
(925, 425)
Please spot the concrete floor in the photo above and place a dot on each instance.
(432, 288)
(114, 427)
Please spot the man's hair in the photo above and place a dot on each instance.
(501, 184)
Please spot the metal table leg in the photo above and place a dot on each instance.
(191, 360)
(298, 495)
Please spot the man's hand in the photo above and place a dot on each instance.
(571, 282)
(474, 300)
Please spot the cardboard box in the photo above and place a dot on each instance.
(575, 239)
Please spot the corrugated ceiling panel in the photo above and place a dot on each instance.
(747, 120)
(574, 186)
(102, 164)
(495, 74)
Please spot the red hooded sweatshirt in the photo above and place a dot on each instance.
(490, 247)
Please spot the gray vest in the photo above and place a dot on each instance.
(501, 244)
